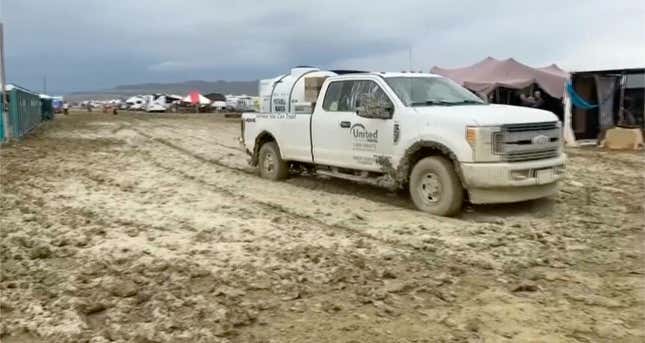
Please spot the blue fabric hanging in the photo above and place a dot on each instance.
(577, 100)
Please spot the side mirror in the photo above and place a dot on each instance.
(370, 106)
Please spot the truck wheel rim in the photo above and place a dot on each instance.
(268, 162)
(430, 188)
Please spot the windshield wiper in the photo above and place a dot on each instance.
(444, 103)
(468, 102)
(431, 102)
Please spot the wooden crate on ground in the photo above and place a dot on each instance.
(619, 138)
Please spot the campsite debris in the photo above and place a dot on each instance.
(526, 287)
(41, 251)
(329, 306)
(89, 308)
(388, 274)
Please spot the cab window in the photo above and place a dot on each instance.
(345, 96)
(361, 89)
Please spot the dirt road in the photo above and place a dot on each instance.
(152, 228)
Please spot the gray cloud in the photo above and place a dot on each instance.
(91, 44)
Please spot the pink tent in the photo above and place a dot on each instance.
(485, 76)
(194, 97)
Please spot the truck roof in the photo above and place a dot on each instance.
(386, 74)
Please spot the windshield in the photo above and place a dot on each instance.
(424, 91)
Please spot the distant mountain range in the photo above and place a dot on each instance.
(179, 88)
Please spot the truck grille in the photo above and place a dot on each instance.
(527, 142)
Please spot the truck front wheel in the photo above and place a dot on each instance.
(270, 162)
(435, 187)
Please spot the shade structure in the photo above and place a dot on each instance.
(195, 97)
(491, 73)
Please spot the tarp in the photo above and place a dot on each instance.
(567, 129)
(577, 100)
(605, 87)
(485, 76)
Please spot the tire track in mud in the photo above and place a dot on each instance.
(218, 162)
(376, 194)
(269, 206)
(276, 208)
(174, 129)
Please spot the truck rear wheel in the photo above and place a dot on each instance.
(435, 187)
(270, 162)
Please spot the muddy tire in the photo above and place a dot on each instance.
(270, 162)
(435, 187)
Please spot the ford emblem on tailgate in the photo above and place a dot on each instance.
(541, 139)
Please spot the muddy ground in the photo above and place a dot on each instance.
(152, 228)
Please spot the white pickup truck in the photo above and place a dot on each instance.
(414, 130)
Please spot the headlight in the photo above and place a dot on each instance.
(482, 140)
(560, 136)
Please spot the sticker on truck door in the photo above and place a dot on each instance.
(363, 139)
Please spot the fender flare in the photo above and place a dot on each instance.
(263, 137)
(403, 170)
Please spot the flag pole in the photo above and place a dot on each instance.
(4, 116)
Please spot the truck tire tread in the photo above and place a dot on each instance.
(452, 194)
(280, 169)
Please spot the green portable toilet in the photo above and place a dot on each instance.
(24, 111)
(47, 108)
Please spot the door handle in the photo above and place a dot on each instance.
(345, 124)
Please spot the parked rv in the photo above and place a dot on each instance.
(240, 103)
(136, 103)
(160, 102)
(419, 131)
(218, 105)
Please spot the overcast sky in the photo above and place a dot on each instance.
(97, 44)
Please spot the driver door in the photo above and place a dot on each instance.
(341, 138)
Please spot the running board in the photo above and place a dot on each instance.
(381, 181)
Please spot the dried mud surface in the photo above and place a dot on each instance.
(152, 228)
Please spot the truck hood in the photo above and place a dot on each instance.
(486, 115)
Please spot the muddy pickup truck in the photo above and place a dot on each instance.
(417, 131)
